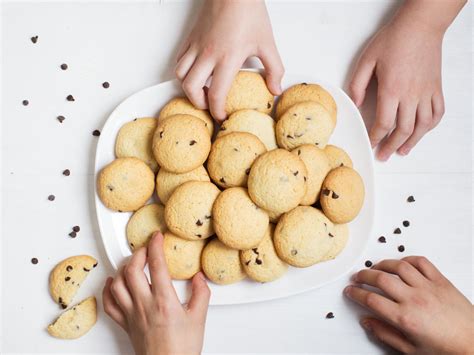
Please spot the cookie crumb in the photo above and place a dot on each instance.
(330, 315)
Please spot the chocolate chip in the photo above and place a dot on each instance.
(199, 222)
(247, 262)
(207, 217)
(175, 247)
(96, 133)
(247, 171)
(304, 177)
(397, 231)
(304, 83)
(236, 150)
(368, 263)
(382, 239)
(73, 234)
(332, 236)
(401, 248)
(64, 66)
(177, 142)
(51, 197)
(255, 250)
(410, 199)
(308, 118)
(60, 119)
(258, 261)
(105, 85)
(60, 300)
(68, 268)
(120, 211)
(316, 143)
(299, 151)
(222, 180)
(85, 269)
(73, 282)
(76, 228)
(66, 172)
(296, 173)
(326, 192)
(330, 315)
(95, 265)
(406, 223)
(70, 98)
(110, 187)
(222, 128)
(269, 105)
(63, 306)
(77, 327)
(294, 252)
(299, 135)
(193, 142)
(67, 278)
(198, 235)
(335, 195)
(161, 134)
(34, 261)
(342, 164)
(34, 39)
(134, 119)
(288, 136)
(132, 245)
(25, 102)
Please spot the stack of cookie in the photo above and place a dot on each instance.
(260, 194)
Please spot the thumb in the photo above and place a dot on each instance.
(388, 335)
(201, 294)
(360, 80)
(274, 69)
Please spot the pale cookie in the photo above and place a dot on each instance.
(144, 223)
(181, 143)
(183, 257)
(188, 213)
(306, 92)
(135, 139)
(248, 91)
(317, 164)
(339, 241)
(304, 123)
(231, 158)
(167, 182)
(277, 181)
(126, 184)
(303, 236)
(274, 216)
(251, 121)
(75, 322)
(67, 276)
(342, 195)
(238, 222)
(181, 105)
(221, 264)
(337, 157)
(262, 263)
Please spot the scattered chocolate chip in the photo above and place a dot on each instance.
(326, 192)
(66, 172)
(76, 228)
(68, 268)
(401, 248)
(294, 252)
(198, 235)
(258, 261)
(296, 173)
(67, 278)
(85, 269)
(105, 85)
(330, 234)
(96, 133)
(199, 222)
(330, 315)
(248, 262)
(95, 265)
(222, 180)
(193, 142)
(397, 231)
(70, 98)
(335, 195)
(34, 261)
(308, 118)
(247, 171)
(288, 136)
(269, 105)
(60, 119)
(382, 239)
(406, 223)
(410, 199)
(51, 197)
(73, 234)
(34, 39)
(368, 263)
(25, 102)
(64, 66)
(161, 134)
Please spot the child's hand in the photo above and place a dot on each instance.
(420, 311)
(226, 34)
(152, 315)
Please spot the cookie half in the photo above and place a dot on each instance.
(221, 264)
(183, 257)
(144, 223)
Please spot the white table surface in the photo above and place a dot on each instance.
(132, 45)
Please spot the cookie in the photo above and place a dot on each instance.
(306, 122)
(277, 181)
(303, 236)
(238, 222)
(251, 121)
(181, 105)
(167, 182)
(317, 164)
(183, 257)
(144, 223)
(248, 91)
(232, 156)
(75, 322)
(306, 92)
(135, 139)
(221, 264)
(339, 241)
(274, 216)
(188, 213)
(262, 263)
(181, 143)
(342, 195)
(126, 184)
(67, 276)
(337, 157)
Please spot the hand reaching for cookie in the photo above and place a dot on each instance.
(420, 311)
(225, 35)
(405, 57)
(152, 315)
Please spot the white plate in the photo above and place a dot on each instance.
(350, 134)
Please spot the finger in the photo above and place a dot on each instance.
(381, 305)
(136, 278)
(388, 335)
(185, 64)
(424, 266)
(438, 109)
(160, 278)
(183, 49)
(403, 269)
(360, 80)
(424, 123)
(388, 283)
(199, 302)
(274, 69)
(403, 130)
(111, 307)
(121, 293)
(385, 114)
(222, 79)
(193, 84)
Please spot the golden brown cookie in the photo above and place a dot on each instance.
(339, 241)
(337, 157)
(221, 264)
(144, 223)
(183, 257)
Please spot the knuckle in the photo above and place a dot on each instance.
(129, 272)
(407, 322)
(114, 288)
(384, 124)
(405, 128)
(382, 279)
(402, 268)
(424, 122)
(188, 86)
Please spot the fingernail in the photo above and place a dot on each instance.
(404, 151)
(383, 156)
(347, 290)
(366, 325)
